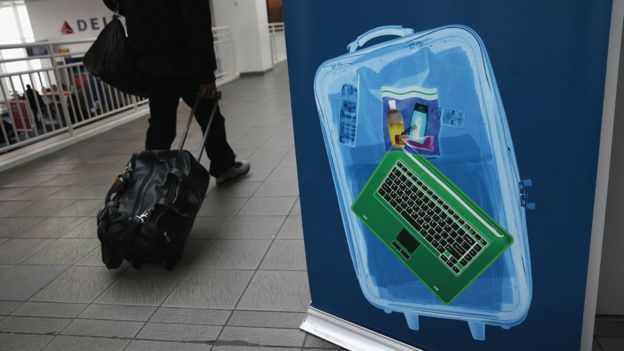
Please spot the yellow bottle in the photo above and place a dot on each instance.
(396, 125)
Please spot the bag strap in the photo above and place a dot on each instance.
(120, 184)
(117, 186)
(176, 175)
(117, 9)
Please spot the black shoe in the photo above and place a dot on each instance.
(239, 169)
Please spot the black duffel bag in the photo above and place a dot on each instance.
(150, 208)
(110, 58)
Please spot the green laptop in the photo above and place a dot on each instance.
(436, 230)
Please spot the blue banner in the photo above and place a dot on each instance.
(447, 156)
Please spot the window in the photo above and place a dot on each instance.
(15, 28)
(9, 29)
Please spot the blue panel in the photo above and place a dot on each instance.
(549, 61)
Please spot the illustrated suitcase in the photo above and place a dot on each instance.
(473, 148)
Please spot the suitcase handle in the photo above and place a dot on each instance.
(216, 98)
(398, 31)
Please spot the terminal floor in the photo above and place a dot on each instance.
(242, 284)
(609, 334)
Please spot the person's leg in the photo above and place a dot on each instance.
(36, 117)
(163, 104)
(218, 150)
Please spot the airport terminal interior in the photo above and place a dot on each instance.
(242, 283)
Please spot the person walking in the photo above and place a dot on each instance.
(36, 103)
(173, 46)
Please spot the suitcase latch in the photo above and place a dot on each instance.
(524, 194)
(143, 216)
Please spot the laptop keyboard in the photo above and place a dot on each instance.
(455, 242)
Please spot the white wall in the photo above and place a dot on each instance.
(247, 19)
(248, 22)
(86, 17)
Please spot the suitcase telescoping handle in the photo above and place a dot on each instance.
(398, 31)
(190, 119)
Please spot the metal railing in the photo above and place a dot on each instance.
(47, 91)
(278, 42)
(57, 96)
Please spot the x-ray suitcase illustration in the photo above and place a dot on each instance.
(431, 95)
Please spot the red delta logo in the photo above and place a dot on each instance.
(84, 25)
(66, 28)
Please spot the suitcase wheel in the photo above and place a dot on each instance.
(169, 265)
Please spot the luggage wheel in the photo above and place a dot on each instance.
(136, 264)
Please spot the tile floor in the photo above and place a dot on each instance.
(241, 286)
(609, 333)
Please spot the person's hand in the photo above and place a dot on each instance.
(207, 90)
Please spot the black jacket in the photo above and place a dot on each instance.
(170, 38)
(31, 95)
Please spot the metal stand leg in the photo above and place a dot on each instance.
(413, 321)
(477, 330)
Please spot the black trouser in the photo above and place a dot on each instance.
(164, 96)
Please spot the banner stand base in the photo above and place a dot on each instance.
(348, 335)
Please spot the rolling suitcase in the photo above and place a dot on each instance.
(151, 207)
(437, 88)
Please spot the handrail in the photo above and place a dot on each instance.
(72, 41)
(46, 43)
(40, 57)
(65, 95)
